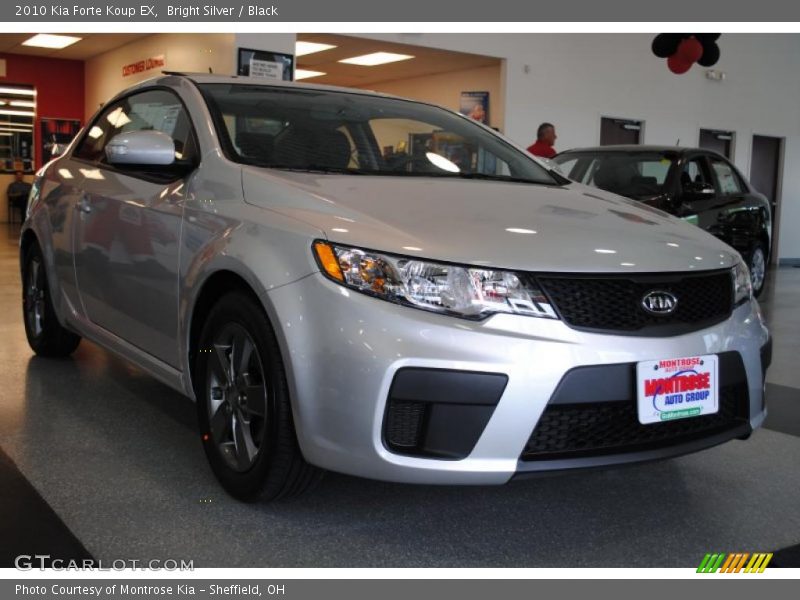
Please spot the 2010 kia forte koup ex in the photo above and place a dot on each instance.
(376, 286)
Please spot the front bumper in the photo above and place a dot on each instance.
(343, 351)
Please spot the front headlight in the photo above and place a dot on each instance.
(742, 286)
(462, 291)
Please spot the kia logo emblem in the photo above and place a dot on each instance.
(659, 303)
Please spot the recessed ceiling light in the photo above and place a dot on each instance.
(520, 230)
(49, 40)
(412, 248)
(376, 58)
(304, 48)
(306, 74)
(604, 251)
(339, 229)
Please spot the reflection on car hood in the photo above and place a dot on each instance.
(577, 228)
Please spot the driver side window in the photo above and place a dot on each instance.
(153, 110)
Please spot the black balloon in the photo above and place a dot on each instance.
(710, 55)
(665, 44)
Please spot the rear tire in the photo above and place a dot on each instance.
(243, 405)
(757, 263)
(45, 334)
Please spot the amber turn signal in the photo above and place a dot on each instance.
(328, 261)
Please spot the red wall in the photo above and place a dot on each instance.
(59, 88)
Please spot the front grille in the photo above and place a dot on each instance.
(613, 303)
(603, 428)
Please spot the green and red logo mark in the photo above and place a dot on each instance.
(737, 562)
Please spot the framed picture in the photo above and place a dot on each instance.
(475, 105)
(56, 136)
(266, 64)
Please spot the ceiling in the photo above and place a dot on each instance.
(426, 61)
(91, 45)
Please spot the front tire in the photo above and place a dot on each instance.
(243, 405)
(757, 263)
(46, 336)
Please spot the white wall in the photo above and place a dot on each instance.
(445, 89)
(574, 79)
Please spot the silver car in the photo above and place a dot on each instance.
(371, 285)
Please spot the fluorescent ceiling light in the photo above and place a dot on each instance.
(19, 113)
(306, 74)
(49, 40)
(376, 58)
(20, 103)
(5, 134)
(16, 129)
(304, 48)
(19, 91)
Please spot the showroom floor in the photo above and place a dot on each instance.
(107, 461)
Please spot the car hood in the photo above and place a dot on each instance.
(577, 228)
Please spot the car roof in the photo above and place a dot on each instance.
(243, 80)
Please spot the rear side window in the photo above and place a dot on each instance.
(726, 176)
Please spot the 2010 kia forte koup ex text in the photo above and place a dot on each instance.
(381, 287)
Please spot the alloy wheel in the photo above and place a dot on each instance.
(237, 397)
(758, 268)
(34, 297)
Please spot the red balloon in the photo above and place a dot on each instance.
(689, 50)
(678, 66)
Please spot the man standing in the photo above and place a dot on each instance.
(545, 138)
(17, 193)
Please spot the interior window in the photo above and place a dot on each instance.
(728, 181)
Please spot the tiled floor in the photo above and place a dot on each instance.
(117, 457)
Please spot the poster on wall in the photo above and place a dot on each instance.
(266, 64)
(475, 105)
(56, 136)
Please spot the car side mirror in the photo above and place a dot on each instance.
(146, 148)
(697, 190)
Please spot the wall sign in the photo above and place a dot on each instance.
(147, 64)
(266, 64)
(475, 105)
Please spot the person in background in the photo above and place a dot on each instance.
(545, 138)
(17, 192)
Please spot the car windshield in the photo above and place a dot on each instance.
(359, 134)
(635, 174)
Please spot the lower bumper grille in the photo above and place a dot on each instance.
(603, 428)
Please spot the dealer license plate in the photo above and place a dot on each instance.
(676, 388)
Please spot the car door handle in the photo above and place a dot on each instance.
(83, 205)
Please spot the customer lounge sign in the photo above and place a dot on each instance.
(154, 62)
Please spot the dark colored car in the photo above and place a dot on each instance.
(699, 186)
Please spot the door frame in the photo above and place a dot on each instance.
(776, 218)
